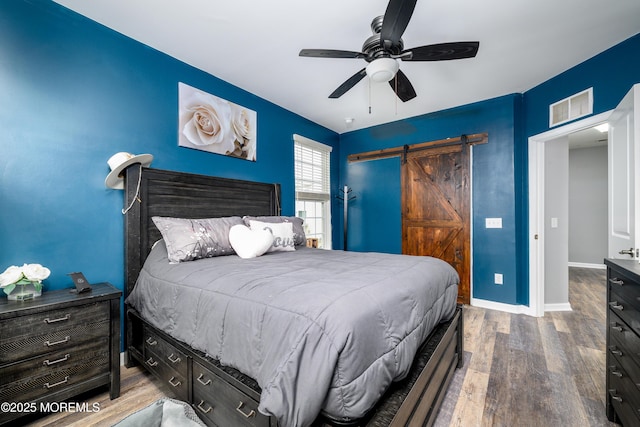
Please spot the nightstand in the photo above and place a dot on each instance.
(57, 346)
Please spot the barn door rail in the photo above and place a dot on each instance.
(403, 152)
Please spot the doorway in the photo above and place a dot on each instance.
(537, 195)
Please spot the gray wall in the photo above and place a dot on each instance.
(556, 205)
(588, 205)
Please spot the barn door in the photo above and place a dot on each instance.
(435, 208)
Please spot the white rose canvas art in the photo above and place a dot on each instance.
(209, 123)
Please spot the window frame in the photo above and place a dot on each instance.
(323, 195)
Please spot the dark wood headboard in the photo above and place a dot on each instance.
(184, 195)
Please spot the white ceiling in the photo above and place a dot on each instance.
(254, 45)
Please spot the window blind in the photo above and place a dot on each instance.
(312, 169)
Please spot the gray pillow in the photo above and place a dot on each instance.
(299, 238)
(190, 239)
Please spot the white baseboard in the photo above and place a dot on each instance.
(587, 265)
(558, 307)
(509, 308)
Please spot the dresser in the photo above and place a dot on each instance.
(54, 347)
(623, 342)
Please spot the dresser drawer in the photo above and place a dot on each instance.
(222, 404)
(38, 376)
(625, 287)
(624, 346)
(164, 351)
(620, 305)
(31, 335)
(624, 395)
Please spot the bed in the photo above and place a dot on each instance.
(223, 383)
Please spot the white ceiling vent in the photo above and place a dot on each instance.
(571, 108)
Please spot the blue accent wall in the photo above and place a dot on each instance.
(74, 93)
(374, 217)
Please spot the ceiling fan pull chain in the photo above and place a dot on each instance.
(369, 96)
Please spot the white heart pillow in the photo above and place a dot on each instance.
(249, 243)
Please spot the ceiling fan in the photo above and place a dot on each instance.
(385, 47)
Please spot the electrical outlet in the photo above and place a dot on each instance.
(497, 278)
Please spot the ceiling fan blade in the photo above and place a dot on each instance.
(351, 82)
(396, 19)
(330, 53)
(402, 87)
(442, 51)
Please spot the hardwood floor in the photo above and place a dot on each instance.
(527, 371)
(519, 370)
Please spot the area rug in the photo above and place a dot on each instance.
(163, 413)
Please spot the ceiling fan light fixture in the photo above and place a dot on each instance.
(382, 69)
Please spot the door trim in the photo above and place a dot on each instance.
(536, 205)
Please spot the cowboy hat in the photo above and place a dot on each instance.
(119, 162)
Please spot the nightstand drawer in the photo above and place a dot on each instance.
(165, 352)
(54, 371)
(31, 335)
(220, 403)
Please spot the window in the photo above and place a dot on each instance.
(313, 188)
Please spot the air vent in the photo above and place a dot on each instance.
(571, 108)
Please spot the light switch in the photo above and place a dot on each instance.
(497, 278)
(493, 222)
(554, 222)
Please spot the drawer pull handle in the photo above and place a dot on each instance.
(151, 341)
(251, 413)
(206, 411)
(53, 362)
(614, 304)
(614, 350)
(151, 362)
(615, 397)
(616, 281)
(616, 373)
(51, 344)
(176, 384)
(61, 319)
(200, 377)
(173, 359)
(616, 327)
(49, 386)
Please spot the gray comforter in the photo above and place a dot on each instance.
(318, 330)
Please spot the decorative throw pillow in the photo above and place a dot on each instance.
(299, 237)
(190, 239)
(249, 243)
(282, 234)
